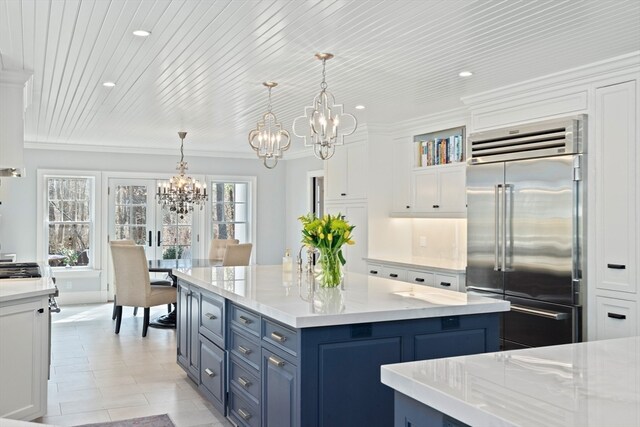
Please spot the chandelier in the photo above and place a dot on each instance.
(182, 192)
(325, 119)
(269, 139)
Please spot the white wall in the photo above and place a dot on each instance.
(297, 198)
(18, 195)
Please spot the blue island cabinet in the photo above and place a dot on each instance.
(327, 376)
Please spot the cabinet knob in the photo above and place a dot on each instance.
(436, 206)
(408, 207)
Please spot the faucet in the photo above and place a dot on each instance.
(310, 251)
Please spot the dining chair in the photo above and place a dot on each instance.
(237, 254)
(154, 282)
(134, 286)
(218, 246)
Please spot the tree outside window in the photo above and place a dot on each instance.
(229, 210)
(69, 220)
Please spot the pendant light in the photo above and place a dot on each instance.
(269, 140)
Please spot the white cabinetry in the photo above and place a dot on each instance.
(440, 190)
(355, 214)
(24, 358)
(437, 278)
(401, 179)
(616, 211)
(346, 173)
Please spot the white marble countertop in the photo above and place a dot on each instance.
(437, 264)
(295, 301)
(13, 289)
(586, 384)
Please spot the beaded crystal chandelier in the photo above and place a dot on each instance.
(269, 139)
(325, 120)
(182, 192)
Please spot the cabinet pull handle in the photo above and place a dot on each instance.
(40, 310)
(393, 275)
(244, 350)
(244, 382)
(373, 271)
(419, 279)
(436, 206)
(445, 284)
(278, 337)
(245, 320)
(244, 414)
(209, 372)
(276, 362)
(150, 237)
(408, 207)
(617, 266)
(210, 316)
(616, 316)
(343, 194)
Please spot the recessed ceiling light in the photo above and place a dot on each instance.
(465, 74)
(359, 107)
(142, 33)
(108, 84)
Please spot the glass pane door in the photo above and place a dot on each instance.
(132, 212)
(176, 236)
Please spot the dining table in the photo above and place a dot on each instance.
(166, 266)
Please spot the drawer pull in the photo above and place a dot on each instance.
(419, 279)
(436, 206)
(209, 372)
(244, 414)
(408, 207)
(245, 320)
(394, 275)
(276, 362)
(343, 194)
(244, 350)
(373, 271)
(617, 266)
(445, 284)
(278, 337)
(244, 382)
(616, 316)
(210, 316)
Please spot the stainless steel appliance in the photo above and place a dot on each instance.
(524, 228)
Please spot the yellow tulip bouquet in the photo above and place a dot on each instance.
(328, 234)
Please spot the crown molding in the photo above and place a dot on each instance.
(622, 64)
(430, 122)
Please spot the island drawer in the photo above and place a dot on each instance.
(242, 411)
(245, 320)
(394, 273)
(280, 336)
(212, 317)
(212, 363)
(245, 348)
(244, 379)
(421, 277)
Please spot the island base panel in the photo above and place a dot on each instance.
(411, 413)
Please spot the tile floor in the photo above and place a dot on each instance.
(98, 376)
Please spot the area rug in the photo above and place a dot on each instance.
(152, 421)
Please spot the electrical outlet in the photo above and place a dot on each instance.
(423, 242)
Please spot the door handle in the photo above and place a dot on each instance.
(553, 315)
(150, 237)
(158, 238)
(506, 223)
(496, 224)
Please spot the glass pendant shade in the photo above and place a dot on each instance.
(269, 140)
(182, 192)
(324, 124)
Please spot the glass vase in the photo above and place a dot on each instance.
(331, 269)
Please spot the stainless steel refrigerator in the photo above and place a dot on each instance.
(525, 189)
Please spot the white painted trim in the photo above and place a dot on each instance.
(430, 123)
(81, 297)
(310, 175)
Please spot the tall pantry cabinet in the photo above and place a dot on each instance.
(617, 233)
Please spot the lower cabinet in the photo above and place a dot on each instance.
(24, 358)
(427, 277)
(188, 329)
(270, 375)
(411, 413)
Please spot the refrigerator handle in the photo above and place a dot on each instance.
(496, 224)
(507, 223)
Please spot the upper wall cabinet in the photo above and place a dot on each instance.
(429, 175)
(346, 173)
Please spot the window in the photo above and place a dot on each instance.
(230, 211)
(69, 220)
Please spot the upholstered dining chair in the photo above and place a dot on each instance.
(237, 254)
(218, 246)
(134, 286)
(154, 282)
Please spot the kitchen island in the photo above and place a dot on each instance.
(585, 384)
(24, 346)
(271, 348)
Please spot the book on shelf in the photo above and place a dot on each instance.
(440, 151)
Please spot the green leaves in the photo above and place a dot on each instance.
(327, 233)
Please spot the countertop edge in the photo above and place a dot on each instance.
(27, 289)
